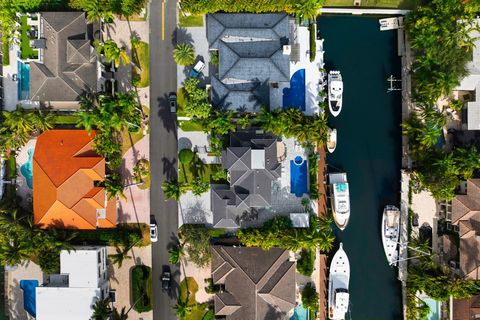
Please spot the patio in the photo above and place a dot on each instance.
(23, 190)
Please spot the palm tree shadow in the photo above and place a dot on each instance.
(181, 35)
(168, 118)
(169, 168)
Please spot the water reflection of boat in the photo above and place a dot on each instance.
(391, 233)
(335, 92)
(340, 194)
(332, 140)
(338, 281)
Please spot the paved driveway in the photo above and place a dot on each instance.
(163, 149)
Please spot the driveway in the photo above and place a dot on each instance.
(163, 148)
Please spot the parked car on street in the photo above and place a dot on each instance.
(166, 278)
(153, 232)
(172, 100)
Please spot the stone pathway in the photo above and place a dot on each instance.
(136, 208)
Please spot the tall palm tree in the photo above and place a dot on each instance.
(18, 121)
(175, 254)
(113, 52)
(14, 251)
(182, 309)
(41, 121)
(184, 54)
(102, 309)
(173, 189)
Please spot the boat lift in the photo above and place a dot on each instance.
(421, 253)
(392, 81)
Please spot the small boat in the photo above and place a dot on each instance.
(390, 23)
(391, 233)
(335, 92)
(332, 140)
(340, 199)
(338, 279)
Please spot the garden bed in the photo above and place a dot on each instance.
(142, 288)
(26, 51)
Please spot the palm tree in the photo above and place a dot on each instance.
(41, 121)
(119, 316)
(17, 121)
(172, 189)
(102, 310)
(14, 251)
(114, 186)
(429, 136)
(120, 256)
(184, 54)
(112, 52)
(182, 309)
(175, 254)
(309, 8)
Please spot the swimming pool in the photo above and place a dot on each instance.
(434, 306)
(27, 169)
(23, 77)
(29, 296)
(295, 95)
(298, 176)
(300, 313)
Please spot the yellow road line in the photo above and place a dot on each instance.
(163, 20)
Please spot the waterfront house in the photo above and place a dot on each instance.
(252, 162)
(82, 281)
(67, 182)
(469, 88)
(256, 284)
(466, 215)
(67, 64)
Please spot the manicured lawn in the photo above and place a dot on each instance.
(70, 119)
(198, 310)
(190, 21)
(129, 139)
(402, 4)
(142, 288)
(141, 59)
(198, 169)
(26, 51)
(190, 125)
(180, 102)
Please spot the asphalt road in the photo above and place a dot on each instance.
(163, 151)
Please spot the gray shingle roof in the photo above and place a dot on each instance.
(256, 282)
(250, 184)
(69, 62)
(250, 56)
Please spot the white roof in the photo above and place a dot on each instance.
(81, 266)
(258, 159)
(53, 303)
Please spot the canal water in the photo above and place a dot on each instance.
(368, 149)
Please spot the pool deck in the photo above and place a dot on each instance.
(322, 261)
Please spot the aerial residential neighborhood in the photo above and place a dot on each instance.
(240, 160)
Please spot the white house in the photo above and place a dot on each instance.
(470, 85)
(81, 282)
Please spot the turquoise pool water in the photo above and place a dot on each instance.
(27, 169)
(300, 313)
(23, 77)
(434, 306)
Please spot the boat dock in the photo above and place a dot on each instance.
(322, 210)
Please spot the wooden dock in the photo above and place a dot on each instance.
(322, 210)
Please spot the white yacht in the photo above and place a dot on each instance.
(338, 279)
(340, 197)
(390, 23)
(332, 140)
(335, 92)
(391, 233)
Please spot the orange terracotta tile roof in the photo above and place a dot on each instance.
(65, 168)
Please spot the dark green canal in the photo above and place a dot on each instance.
(368, 149)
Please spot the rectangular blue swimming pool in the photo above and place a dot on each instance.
(23, 77)
(298, 176)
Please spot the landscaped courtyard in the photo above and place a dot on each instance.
(26, 50)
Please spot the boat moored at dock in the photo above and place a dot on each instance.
(340, 198)
(335, 92)
(332, 140)
(391, 233)
(338, 282)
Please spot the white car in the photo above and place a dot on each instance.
(153, 232)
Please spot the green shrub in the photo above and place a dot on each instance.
(49, 261)
(214, 57)
(5, 52)
(142, 288)
(310, 297)
(185, 156)
(313, 175)
(313, 44)
(210, 315)
(12, 167)
(209, 287)
(122, 235)
(306, 262)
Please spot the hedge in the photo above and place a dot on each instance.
(5, 52)
(313, 175)
(306, 262)
(123, 234)
(142, 288)
(313, 43)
